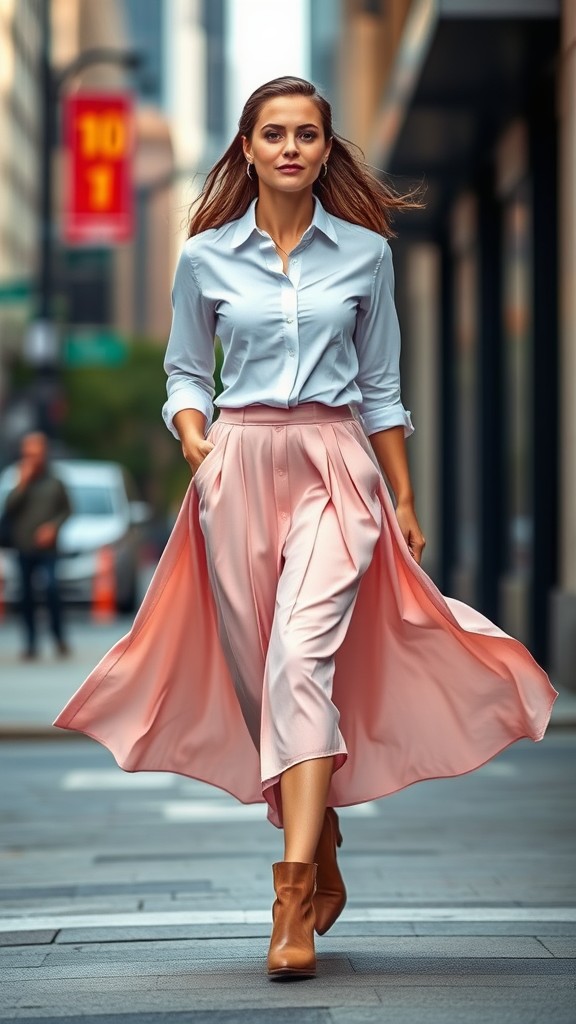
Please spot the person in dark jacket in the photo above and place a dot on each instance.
(36, 509)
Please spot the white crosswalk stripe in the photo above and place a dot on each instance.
(219, 811)
(116, 779)
(149, 919)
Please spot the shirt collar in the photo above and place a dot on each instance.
(246, 225)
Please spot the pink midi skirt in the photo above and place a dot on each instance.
(288, 620)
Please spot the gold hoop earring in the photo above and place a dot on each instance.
(248, 166)
(325, 170)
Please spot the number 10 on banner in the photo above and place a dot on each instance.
(99, 192)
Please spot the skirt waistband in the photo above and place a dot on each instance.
(305, 412)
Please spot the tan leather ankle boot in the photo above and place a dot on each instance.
(291, 952)
(330, 895)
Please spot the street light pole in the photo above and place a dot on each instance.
(41, 348)
(40, 342)
(45, 267)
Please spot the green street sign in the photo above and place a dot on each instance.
(15, 291)
(94, 348)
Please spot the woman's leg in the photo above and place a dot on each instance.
(304, 789)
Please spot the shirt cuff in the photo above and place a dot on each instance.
(186, 398)
(388, 416)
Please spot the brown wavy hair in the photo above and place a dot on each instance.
(350, 190)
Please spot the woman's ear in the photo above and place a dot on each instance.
(246, 148)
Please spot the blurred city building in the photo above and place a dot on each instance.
(194, 77)
(20, 131)
(325, 21)
(478, 99)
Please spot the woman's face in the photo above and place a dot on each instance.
(288, 146)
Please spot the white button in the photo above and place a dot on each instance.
(295, 260)
(289, 320)
(290, 351)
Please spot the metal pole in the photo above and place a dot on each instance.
(45, 269)
(40, 341)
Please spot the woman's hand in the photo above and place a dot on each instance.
(390, 448)
(411, 531)
(191, 425)
(195, 448)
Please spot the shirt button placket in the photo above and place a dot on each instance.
(281, 491)
(290, 312)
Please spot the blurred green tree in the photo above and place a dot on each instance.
(114, 412)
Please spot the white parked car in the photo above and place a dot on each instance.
(104, 514)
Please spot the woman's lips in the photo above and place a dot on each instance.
(290, 170)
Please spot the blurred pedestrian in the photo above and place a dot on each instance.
(290, 647)
(36, 509)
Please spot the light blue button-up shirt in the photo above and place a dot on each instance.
(325, 331)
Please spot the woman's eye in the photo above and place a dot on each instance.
(271, 136)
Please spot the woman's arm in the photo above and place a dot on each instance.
(384, 418)
(189, 363)
(390, 450)
(377, 341)
(191, 425)
(189, 360)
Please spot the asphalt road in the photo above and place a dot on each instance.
(147, 898)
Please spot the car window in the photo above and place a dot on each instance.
(91, 501)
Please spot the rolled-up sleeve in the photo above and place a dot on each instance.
(377, 341)
(190, 358)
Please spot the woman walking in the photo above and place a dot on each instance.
(290, 647)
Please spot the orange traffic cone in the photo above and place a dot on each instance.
(104, 590)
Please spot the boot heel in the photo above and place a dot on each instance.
(330, 895)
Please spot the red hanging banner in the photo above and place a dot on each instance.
(99, 190)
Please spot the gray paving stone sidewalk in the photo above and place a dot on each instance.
(114, 908)
(32, 693)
